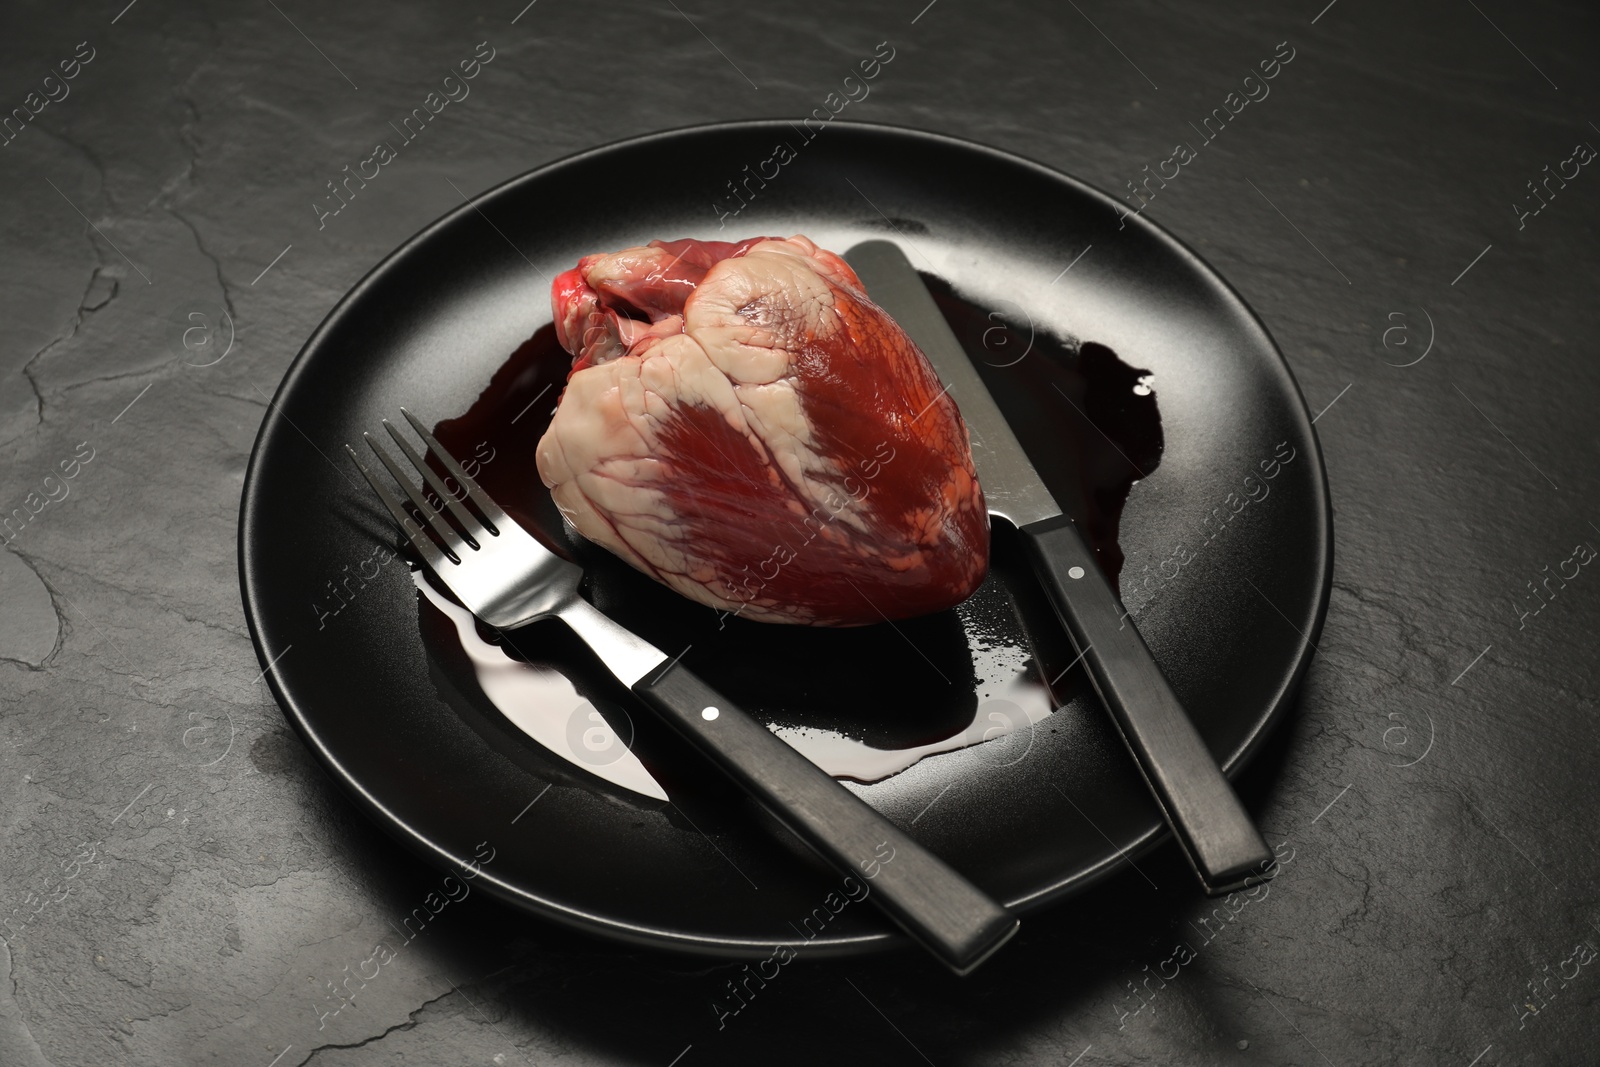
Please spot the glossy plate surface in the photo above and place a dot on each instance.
(377, 686)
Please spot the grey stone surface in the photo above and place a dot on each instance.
(182, 884)
(29, 627)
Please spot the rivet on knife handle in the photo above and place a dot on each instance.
(1216, 833)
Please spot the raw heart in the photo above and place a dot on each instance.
(743, 424)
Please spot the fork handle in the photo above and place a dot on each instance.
(950, 916)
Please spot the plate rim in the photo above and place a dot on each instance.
(738, 947)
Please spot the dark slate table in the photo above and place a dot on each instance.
(171, 898)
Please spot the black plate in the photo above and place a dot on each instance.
(428, 328)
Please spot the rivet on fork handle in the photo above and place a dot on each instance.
(507, 578)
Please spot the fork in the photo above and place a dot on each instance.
(507, 578)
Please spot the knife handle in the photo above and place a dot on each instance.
(950, 916)
(1217, 834)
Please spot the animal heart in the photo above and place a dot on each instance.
(743, 424)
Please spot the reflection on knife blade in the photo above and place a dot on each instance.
(1216, 832)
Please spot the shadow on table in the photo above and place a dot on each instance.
(1065, 980)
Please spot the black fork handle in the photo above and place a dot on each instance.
(927, 897)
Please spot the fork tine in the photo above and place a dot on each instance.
(430, 551)
(451, 540)
(491, 511)
(463, 516)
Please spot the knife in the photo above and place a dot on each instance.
(1216, 833)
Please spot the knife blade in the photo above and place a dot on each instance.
(1217, 835)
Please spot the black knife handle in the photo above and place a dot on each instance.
(923, 894)
(1216, 832)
